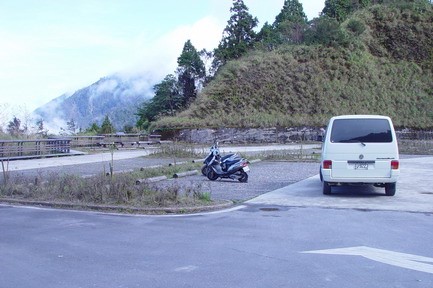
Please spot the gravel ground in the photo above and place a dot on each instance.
(263, 177)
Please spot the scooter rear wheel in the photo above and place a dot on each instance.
(244, 177)
(212, 175)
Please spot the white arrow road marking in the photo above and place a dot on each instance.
(408, 261)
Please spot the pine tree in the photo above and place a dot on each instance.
(40, 128)
(338, 9)
(71, 126)
(93, 129)
(292, 11)
(291, 23)
(238, 36)
(191, 73)
(107, 127)
(14, 127)
(289, 26)
(167, 101)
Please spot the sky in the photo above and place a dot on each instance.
(52, 47)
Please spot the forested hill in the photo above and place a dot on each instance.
(378, 61)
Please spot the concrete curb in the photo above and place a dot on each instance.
(185, 174)
(120, 209)
(150, 180)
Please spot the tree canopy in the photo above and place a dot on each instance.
(238, 36)
(107, 127)
(191, 71)
(288, 28)
(175, 92)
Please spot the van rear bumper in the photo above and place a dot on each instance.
(327, 177)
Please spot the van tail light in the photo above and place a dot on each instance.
(327, 164)
(395, 164)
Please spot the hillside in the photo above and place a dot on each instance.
(384, 68)
(113, 96)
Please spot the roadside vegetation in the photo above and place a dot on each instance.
(121, 190)
(374, 60)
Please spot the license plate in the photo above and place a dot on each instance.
(361, 166)
(246, 169)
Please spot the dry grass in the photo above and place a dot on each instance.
(119, 189)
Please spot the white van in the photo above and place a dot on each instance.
(360, 149)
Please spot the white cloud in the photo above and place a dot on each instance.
(159, 56)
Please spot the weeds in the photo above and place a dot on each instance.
(179, 150)
(5, 171)
(101, 190)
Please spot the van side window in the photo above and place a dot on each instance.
(361, 130)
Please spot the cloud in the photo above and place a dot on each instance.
(159, 55)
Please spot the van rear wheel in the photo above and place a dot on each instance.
(390, 189)
(326, 188)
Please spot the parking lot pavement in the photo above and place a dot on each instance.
(414, 192)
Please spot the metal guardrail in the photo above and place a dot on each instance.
(24, 149)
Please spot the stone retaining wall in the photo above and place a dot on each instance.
(251, 135)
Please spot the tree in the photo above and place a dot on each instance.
(340, 9)
(191, 73)
(167, 101)
(267, 37)
(14, 127)
(238, 36)
(291, 23)
(289, 27)
(93, 129)
(337, 9)
(40, 128)
(292, 11)
(326, 31)
(72, 127)
(107, 127)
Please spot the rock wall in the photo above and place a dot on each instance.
(251, 135)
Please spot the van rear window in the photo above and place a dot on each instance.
(361, 130)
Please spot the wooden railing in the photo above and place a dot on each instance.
(24, 149)
(85, 141)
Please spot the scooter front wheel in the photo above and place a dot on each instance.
(204, 170)
(212, 175)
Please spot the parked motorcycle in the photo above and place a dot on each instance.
(233, 167)
(214, 151)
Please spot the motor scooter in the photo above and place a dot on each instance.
(233, 167)
(214, 151)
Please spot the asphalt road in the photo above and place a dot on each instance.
(292, 236)
(256, 246)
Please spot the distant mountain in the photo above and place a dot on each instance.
(115, 96)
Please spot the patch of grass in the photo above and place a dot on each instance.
(168, 171)
(119, 189)
(179, 150)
